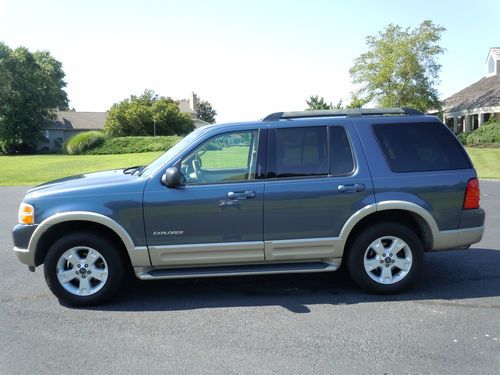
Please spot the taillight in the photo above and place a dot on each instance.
(472, 194)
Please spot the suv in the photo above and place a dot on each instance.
(295, 192)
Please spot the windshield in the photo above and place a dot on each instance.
(171, 153)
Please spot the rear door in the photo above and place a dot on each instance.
(317, 179)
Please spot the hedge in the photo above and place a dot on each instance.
(128, 145)
(83, 142)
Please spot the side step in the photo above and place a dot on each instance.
(254, 269)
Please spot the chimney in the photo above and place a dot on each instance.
(194, 102)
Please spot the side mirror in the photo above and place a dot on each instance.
(172, 178)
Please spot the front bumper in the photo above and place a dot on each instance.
(25, 256)
(21, 235)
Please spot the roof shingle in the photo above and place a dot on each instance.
(483, 93)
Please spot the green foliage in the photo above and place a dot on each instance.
(318, 103)
(84, 141)
(315, 102)
(400, 68)
(487, 134)
(31, 90)
(125, 145)
(462, 137)
(206, 112)
(148, 114)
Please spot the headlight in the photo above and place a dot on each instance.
(26, 214)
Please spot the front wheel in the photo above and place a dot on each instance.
(385, 258)
(82, 269)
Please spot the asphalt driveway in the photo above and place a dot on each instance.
(319, 323)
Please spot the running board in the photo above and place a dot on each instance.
(217, 271)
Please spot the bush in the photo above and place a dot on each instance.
(84, 141)
(462, 137)
(128, 145)
(487, 134)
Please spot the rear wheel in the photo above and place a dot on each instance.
(385, 258)
(82, 269)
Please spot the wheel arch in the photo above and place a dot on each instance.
(55, 226)
(409, 214)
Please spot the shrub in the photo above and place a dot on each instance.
(127, 145)
(487, 134)
(462, 137)
(82, 142)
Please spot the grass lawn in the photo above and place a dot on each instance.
(35, 169)
(231, 157)
(486, 161)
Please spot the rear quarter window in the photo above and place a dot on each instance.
(419, 147)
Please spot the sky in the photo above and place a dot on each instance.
(247, 58)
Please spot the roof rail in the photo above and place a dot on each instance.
(355, 112)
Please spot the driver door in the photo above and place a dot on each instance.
(216, 217)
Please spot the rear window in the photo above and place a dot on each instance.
(301, 152)
(418, 147)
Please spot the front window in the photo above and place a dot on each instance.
(224, 158)
(171, 153)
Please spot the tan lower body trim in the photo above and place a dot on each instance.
(301, 249)
(205, 254)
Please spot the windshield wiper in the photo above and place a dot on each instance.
(132, 170)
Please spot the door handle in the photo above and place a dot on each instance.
(351, 188)
(241, 195)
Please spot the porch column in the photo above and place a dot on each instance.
(469, 121)
(466, 124)
(480, 120)
(455, 124)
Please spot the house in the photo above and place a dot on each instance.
(469, 108)
(189, 105)
(69, 123)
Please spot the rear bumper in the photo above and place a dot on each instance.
(470, 231)
(457, 239)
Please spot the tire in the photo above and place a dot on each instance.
(83, 269)
(385, 258)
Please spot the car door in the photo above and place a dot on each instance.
(316, 182)
(216, 216)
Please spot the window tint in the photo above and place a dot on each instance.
(341, 159)
(301, 152)
(420, 147)
(226, 157)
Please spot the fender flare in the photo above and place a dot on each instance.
(139, 255)
(390, 205)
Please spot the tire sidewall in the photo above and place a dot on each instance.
(355, 259)
(108, 251)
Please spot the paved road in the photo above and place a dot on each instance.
(449, 324)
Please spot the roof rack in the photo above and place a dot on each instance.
(357, 112)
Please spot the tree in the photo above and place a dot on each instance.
(31, 90)
(315, 102)
(400, 68)
(206, 112)
(147, 114)
(318, 103)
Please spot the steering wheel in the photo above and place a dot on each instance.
(196, 165)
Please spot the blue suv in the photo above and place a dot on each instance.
(295, 192)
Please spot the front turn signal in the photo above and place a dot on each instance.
(26, 214)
